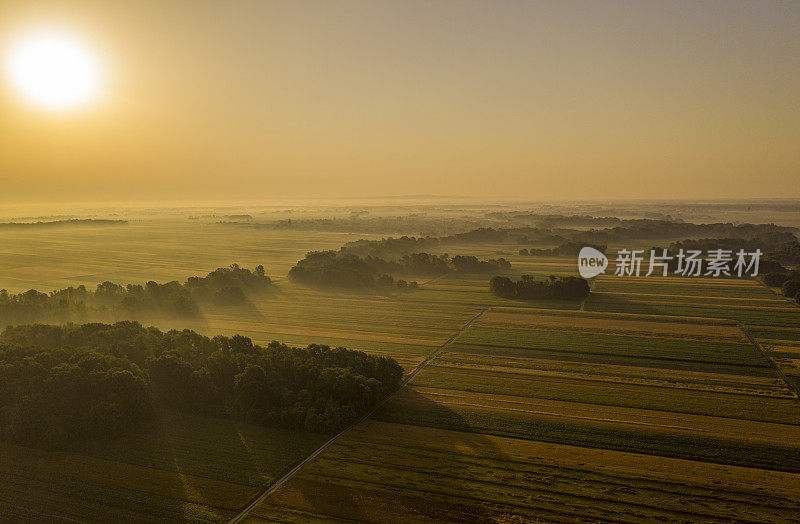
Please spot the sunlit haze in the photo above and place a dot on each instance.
(53, 71)
(269, 100)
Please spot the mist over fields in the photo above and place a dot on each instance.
(189, 355)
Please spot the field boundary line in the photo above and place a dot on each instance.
(282, 480)
(763, 351)
(583, 302)
(775, 365)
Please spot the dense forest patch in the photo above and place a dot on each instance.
(60, 384)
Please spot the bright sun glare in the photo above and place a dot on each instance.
(54, 71)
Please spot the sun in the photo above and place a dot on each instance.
(54, 71)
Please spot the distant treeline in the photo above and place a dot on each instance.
(110, 301)
(568, 249)
(770, 244)
(525, 227)
(225, 218)
(775, 252)
(558, 220)
(68, 222)
(646, 229)
(337, 269)
(528, 288)
(787, 254)
(633, 230)
(60, 384)
(385, 224)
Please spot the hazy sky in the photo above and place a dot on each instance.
(534, 100)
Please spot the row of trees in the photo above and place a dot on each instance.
(64, 222)
(622, 231)
(224, 286)
(770, 246)
(528, 288)
(343, 270)
(570, 249)
(64, 383)
(357, 223)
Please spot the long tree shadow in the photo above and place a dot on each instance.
(607, 303)
(200, 467)
(416, 459)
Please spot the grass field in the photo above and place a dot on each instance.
(184, 467)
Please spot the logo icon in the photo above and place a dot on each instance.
(591, 262)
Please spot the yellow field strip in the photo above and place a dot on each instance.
(690, 296)
(677, 319)
(732, 429)
(610, 324)
(462, 359)
(633, 465)
(678, 280)
(670, 381)
(354, 335)
(705, 305)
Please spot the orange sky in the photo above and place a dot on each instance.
(534, 100)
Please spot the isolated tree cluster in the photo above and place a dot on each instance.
(528, 288)
(567, 249)
(788, 282)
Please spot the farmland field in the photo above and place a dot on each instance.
(386, 471)
(656, 398)
(744, 301)
(680, 391)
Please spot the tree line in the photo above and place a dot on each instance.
(59, 384)
(110, 301)
(567, 249)
(624, 230)
(357, 223)
(528, 288)
(344, 270)
(65, 222)
(775, 251)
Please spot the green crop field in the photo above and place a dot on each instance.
(620, 345)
